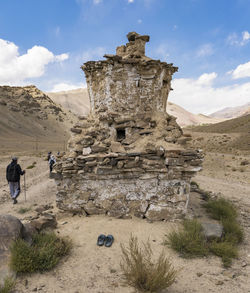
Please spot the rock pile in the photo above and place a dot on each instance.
(126, 157)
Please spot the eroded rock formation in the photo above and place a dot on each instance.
(124, 157)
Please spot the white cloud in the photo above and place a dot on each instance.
(65, 86)
(201, 96)
(97, 1)
(205, 50)
(206, 78)
(92, 54)
(235, 40)
(139, 21)
(16, 68)
(130, 1)
(62, 57)
(242, 70)
(245, 36)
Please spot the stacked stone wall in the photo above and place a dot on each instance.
(126, 158)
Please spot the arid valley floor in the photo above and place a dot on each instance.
(90, 268)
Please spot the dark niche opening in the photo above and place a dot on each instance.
(120, 134)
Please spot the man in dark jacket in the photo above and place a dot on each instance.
(13, 173)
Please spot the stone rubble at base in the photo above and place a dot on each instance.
(126, 158)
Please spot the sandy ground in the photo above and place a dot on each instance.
(90, 268)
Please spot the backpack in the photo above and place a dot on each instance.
(12, 174)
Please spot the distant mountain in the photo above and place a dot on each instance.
(78, 102)
(235, 125)
(232, 112)
(185, 118)
(27, 114)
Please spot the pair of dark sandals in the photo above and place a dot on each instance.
(105, 240)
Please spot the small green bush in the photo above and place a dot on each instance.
(42, 255)
(194, 183)
(189, 242)
(23, 210)
(226, 250)
(142, 272)
(220, 209)
(30, 167)
(8, 286)
(233, 231)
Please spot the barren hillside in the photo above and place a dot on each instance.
(228, 136)
(28, 116)
(185, 118)
(236, 125)
(78, 102)
(232, 112)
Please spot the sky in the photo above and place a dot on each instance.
(44, 42)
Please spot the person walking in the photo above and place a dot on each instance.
(13, 172)
(52, 161)
(49, 155)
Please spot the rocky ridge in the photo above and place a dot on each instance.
(30, 101)
(26, 113)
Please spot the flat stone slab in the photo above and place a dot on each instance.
(212, 230)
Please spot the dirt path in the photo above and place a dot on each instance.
(94, 269)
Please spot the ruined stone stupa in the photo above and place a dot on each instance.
(125, 157)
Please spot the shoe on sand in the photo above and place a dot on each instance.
(109, 240)
(14, 201)
(101, 239)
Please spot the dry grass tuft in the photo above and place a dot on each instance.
(226, 250)
(42, 255)
(221, 209)
(142, 272)
(8, 286)
(233, 231)
(23, 210)
(189, 241)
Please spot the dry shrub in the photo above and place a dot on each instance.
(226, 250)
(189, 241)
(44, 253)
(142, 272)
(233, 231)
(23, 210)
(220, 209)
